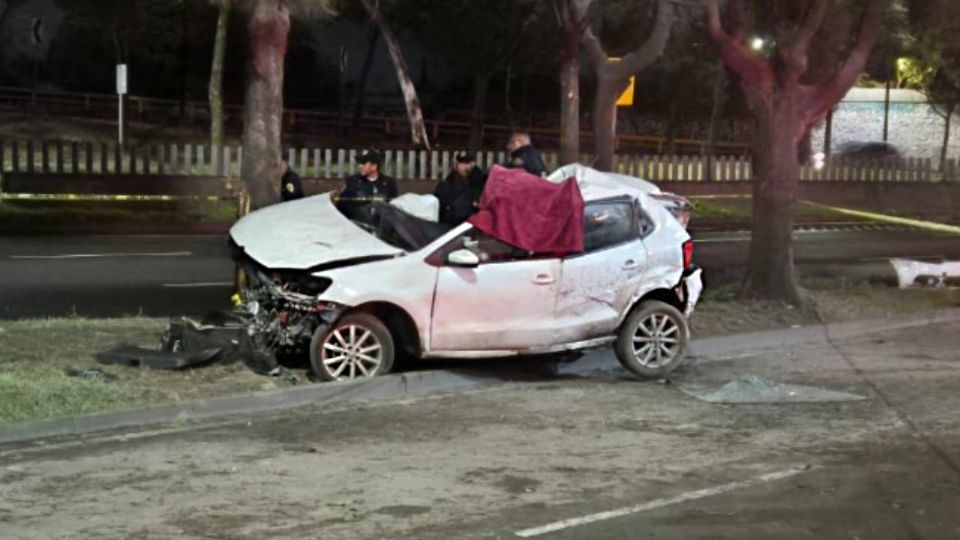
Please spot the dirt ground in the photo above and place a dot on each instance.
(487, 464)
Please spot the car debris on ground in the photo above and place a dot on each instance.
(931, 274)
(754, 389)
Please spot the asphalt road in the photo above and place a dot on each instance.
(105, 276)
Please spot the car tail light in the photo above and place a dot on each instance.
(687, 254)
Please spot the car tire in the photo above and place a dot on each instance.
(357, 346)
(653, 340)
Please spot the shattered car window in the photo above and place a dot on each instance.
(487, 248)
(400, 229)
(608, 224)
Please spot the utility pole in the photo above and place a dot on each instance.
(121, 92)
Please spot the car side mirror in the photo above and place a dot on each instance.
(464, 258)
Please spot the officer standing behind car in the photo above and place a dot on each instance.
(291, 187)
(459, 193)
(524, 155)
(366, 187)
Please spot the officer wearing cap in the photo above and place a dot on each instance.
(459, 193)
(291, 187)
(523, 155)
(366, 187)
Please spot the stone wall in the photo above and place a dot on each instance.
(916, 130)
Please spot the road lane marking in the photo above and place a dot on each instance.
(199, 285)
(102, 255)
(660, 503)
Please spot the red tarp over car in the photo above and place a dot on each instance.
(531, 213)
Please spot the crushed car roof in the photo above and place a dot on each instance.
(596, 185)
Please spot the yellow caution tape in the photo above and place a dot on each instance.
(732, 196)
(929, 225)
(85, 197)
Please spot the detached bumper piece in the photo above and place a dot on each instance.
(220, 338)
(154, 359)
(693, 287)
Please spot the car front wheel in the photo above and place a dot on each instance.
(356, 346)
(653, 340)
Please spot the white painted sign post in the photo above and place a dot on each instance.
(121, 91)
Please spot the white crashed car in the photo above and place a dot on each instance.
(356, 297)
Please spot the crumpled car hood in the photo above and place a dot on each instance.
(305, 233)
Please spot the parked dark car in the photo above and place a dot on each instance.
(867, 150)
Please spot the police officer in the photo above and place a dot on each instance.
(524, 155)
(459, 193)
(366, 187)
(291, 187)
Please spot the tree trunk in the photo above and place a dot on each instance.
(508, 97)
(215, 91)
(828, 135)
(886, 111)
(605, 122)
(673, 125)
(261, 168)
(183, 55)
(771, 273)
(373, 36)
(481, 83)
(418, 129)
(570, 102)
(948, 117)
(719, 93)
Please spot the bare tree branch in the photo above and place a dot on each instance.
(641, 58)
(594, 49)
(795, 51)
(750, 66)
(811, 24)
(562, 10)
(821, 97)
(418, 131)
(5, 10)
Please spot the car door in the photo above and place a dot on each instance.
(597, 285)
(506, 302)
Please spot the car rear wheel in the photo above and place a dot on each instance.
(355, 347)
(653, 340)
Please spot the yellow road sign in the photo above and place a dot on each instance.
(626, 98)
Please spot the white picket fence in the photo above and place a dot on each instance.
(203, 160)
(733, 169)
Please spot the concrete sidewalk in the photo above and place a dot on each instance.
(422, 382)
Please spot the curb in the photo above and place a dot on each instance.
(424, 382)
(387, 387)
(822, 333)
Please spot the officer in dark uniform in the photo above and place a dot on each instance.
(366, 187)
(291, 187)
(459, 193)
(524, 155)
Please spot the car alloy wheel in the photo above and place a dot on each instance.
(352, 351)
(358, 346)
(656, 342)
(653, 340)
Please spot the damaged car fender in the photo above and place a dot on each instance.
(406, 283)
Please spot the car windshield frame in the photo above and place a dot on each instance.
(402, 230)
